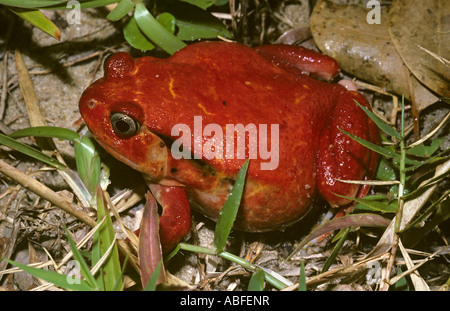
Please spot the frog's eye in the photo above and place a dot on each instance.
(124, 125)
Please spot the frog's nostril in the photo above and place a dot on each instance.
(92, 103)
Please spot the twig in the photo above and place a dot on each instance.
(5, 69)
(45, 192)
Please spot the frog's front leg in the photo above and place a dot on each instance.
(339, 156)
(175, 220)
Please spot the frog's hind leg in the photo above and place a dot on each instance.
(300, 60)
(342, 158)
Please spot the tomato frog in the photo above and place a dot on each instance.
(269, 95)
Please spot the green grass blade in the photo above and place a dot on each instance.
(84, 4)
(374, 205)
(257, 281)
(110, 272)
(31, 4)
(30, 151)
(90, 279)
(155, 31)
(55, 278)
(151, 285)
(302, 278)
(88, 164)
(39, 20)
(426, 151)
(121, 10)
(84, 182)
(383, 151)
(194, 23)
(86, 155)
(382, 125)
(47, 131)
(135, 37)
(229, 210)
(204, 4)
(335, 251)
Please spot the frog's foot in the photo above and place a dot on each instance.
(175, 220)
(342, 158)
(297, 59)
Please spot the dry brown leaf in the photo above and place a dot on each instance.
(423, 46)
(150, 253)
(31, 101)
(365, 50)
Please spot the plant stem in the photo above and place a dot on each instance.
(401, 200)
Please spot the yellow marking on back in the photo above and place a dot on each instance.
(171, 88)
(204, 110)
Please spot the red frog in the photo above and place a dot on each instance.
(142, 106)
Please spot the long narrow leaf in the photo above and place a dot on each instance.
(381, 150)
(120, 10)
(30, 151)
(55, 278)
(31, 4)
(110, 271)
(150, 252)
(84, 4)
(155, 31)
(204, 4)
(229, 210)
(302, 278)
(39, 20)
(88, 164)
(257, 281)
(375, 205)
(47, 131)
(135, 37)
(86, 156)
(380, 123)
(151, 285)
(83, 265)
(194, 23)
(361, 220)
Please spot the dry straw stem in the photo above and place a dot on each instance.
(380, 90)
(66, 258)
(429, 135)
(390, 239)
(410, 209)
(418, 282)
(380, 252)
(45, 192)
(342, 271)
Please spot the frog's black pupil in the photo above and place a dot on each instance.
(122, 126)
